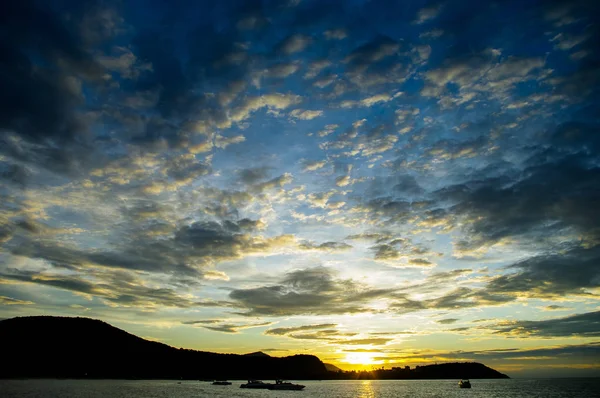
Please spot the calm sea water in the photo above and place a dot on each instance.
(538, 388)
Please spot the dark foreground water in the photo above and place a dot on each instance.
(538, 388)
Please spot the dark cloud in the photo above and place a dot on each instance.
(186, 252)
(574, 271)
(121, 289)
(555, 307)
(39, 100)
(575, 351)
(289, 330)
(579, 325)
(447, 321)
(368, 341)
(331, 335)
(326, 246)
(309, 291)
(254, 175)
(551, 197)
(217, 325)
(563, 354)
(202, 322)
(386, 252)
(13, 301)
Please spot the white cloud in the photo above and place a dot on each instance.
(223, 142)
(335, 34)
(566, 42)
(330, 128)
(325, 81)
(423, 52)
(369, 101)
(428, 13)
(276, 101)
(315, 68)
(343, 181)
(305, 114)
(280, 71)
(313, 166)
(295, 43)
(431, 34)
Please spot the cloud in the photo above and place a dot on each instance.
(368, 102)
(447, 321)
(567, 42)
(335, 34)
(254, 175)
(564, 354)
(575, 271)
(479, 75)
(41, 103)
(368, 341)
(303, 328)
(314, 165)
(319, 199)
(222, 326)
(277, 182)
(294, 43)
(305, 114)
(427, 14)
(579, 325)
(558, 203)
(272, 101)
(325, 81)
(309, 291)
(187, 251)
(13, 301)
(327, 246)
(363, 57)
(555, 307)
(120, 289)
(315, 67)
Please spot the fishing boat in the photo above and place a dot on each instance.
(256, 384)
(465, 383)
(285, 385)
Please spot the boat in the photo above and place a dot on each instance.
(285, 385)
(221, 383)
(465, 383)
(256, 384)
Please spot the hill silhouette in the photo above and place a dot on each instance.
(64, 347)
(257, 354)
(331, 368)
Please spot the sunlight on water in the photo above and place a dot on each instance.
(514, 388)
(366, 390)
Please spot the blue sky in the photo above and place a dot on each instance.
(373, 182)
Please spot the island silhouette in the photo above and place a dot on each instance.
(68, 347)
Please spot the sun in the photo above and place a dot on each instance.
(362, 358)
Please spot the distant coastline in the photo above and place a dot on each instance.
(80, 348)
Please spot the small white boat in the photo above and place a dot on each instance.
(465, 383)
(285, 385)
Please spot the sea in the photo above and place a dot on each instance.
(504, 388)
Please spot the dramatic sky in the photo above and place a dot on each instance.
(374, 182)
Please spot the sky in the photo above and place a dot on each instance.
(378, 183)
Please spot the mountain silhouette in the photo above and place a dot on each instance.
(257, 354)
(64, 347)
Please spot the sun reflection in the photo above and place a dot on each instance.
(366, 390)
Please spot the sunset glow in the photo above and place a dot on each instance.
(378, 183)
